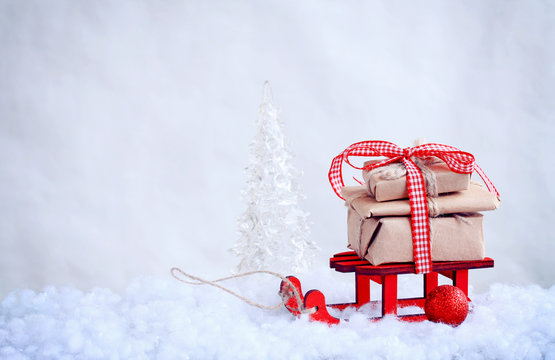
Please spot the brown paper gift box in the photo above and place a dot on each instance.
(475, 198)
(385, 189)
(388, 239)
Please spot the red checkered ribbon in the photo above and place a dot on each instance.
(457, 160)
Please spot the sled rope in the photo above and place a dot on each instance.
(284, 296)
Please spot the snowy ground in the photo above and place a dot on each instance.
(165, 319)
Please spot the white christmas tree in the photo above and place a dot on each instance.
(275, 234)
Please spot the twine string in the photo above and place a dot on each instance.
(285, 295)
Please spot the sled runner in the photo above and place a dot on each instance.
(386, 275)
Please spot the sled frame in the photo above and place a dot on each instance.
(386, 276)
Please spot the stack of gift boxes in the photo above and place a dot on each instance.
(379, 224)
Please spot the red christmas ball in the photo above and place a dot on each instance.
(446, 304)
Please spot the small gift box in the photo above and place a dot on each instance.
(388, 239)
(390, 182)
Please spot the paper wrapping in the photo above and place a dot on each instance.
(475, 198)
(388, 239)
(385, 190)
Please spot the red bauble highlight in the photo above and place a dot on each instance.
(446, 304)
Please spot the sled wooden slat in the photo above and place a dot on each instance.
(343, 259)
(350, 262)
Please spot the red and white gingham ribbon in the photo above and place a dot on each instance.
(457, 160)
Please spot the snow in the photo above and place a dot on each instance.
(160, 318)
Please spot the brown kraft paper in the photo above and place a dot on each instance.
(475, 198)
(389, 239)
(393, 189)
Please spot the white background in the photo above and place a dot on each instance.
(124, 125)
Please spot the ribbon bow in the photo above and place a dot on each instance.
(457, 160)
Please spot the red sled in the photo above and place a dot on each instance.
(314, 301)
